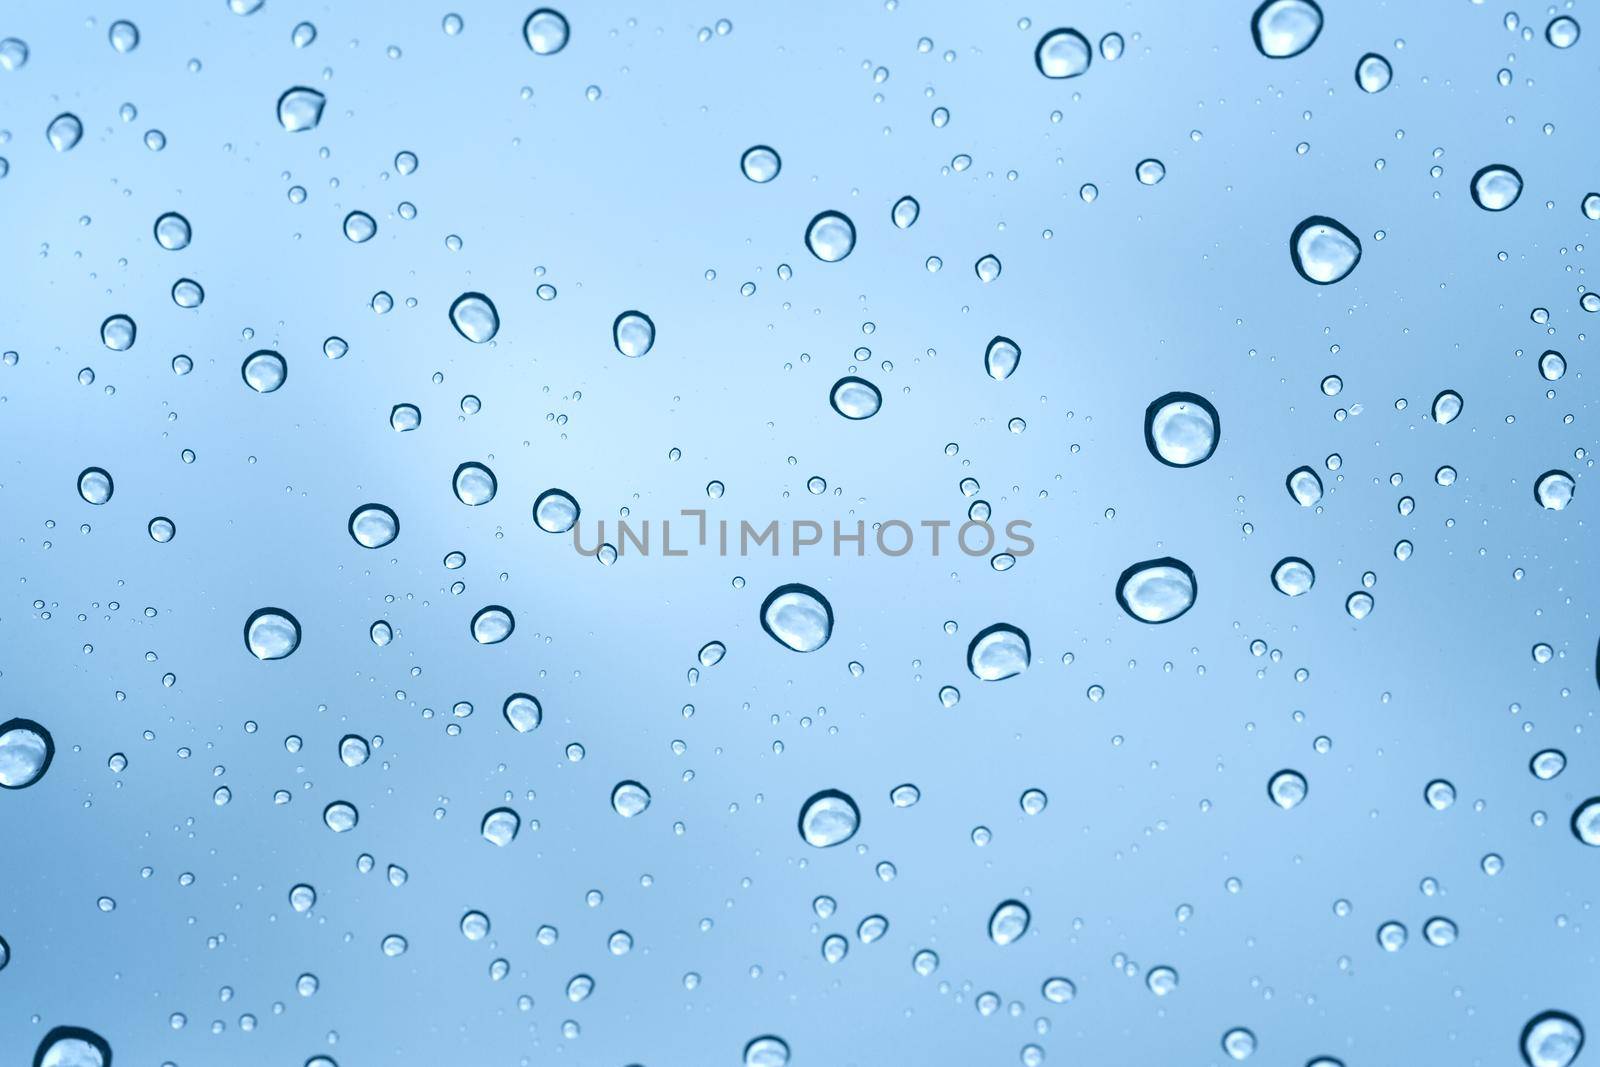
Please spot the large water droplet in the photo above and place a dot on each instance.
(118, 333)
(300, 109)
(829, 818)
(797, 617)
(72, 1046)
(271, 633)
(374, 525)
(1062, 53)
(634, 333)
(855, 398)
(1285, 28)
(1496, 187)
(1239, 1043)
(1551, 1039)
(474, 484)
(1446, 406)
(500, 826)
(264, 371)
(830, 236)
(1181, 429)
(555, 511)
(1586, 822)
(760, 163)
(1373, 73)
(474, 316)
(341, 816)
(1305, 486)
(1001, 358)
(95, 485)
(26, 749)
(523, 711)
(354, 750)
(629, 798)
(767, 1051)
(1323, 251)
(123, 35)
(1008, 922)
(359, 227)
(173, 232)
(1554, 490)
(1000, 651)
(1287, 789)
(492, 625)
(1157, 590)
(64, 132)
(1293, 576)
(546, 31)
(906, 209)
(1562, 31)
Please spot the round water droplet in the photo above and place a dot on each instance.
(64, 132)
(341, 816)
(987, 268)
(997, 652)
(797, 617)
(555, 511)
(300, 109)
(546, 31)
(1150, 171)
(830, 236)
(374, 525)
(855, 398)
(500, 826)
(26, 750)
(1359, 605)
(829, 818)
(1547, 764)
(474, 484)
(118, 332)
(629, 798)
(474, 316)
(95, 485)
(1157, 590)
(1496, 187)
(1287, 789)
(1008, 922)
(492, 625)
(1439, 794)
(1439, 931)
(72, 1046)
(173, 232)
(271, 633)
(523, 712)
(1323, 250)
(905, 795)
(1551, 1039)
(264, 371)
(1161, 981)
(1446, 406)
(1554, 490)
(1284, 28)
(1293, 576)
(1239, 1043)
(760, 163)
(1586, 822)
(1373, 73)
(474, 926)
(634, 333)
(1562, 31)
(359, 227)
(13, 54)
(354, 750)
(1062, 53)
(187, 293)
(162, 529)
(1181, 429)
(1305, 486)
(123, 35)
(834, 948)
(906, 209)
(767, 1051)
(1392, 936)
(1001, 358)
(381, 633)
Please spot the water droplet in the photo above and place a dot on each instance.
(374, 525)
(474, 484)
(162, 529)
(95, 485)
(906, 209)
(1551, 1039)
(1446, 406)
(546, 31)
(760, 163)
(1439, 794)
(359, 227)
(523, 712)
(123, 35)
(64, 132)
(1181, 429)
(1287, 789)
(26, 750)
(828, 818)
(341, 816)
(998, 652)
(264, 371)
(492, 625)
(629, 798)
(381, 633)
(1373, 73)
(172, 231)
(1359, 605)
(1284, 28)
(1161, 981)
(1001, 358)
(797, 617)
(187, 293)
(855, 398)
(1157, 590)
(72, 1046)
(1586, 822)
(1547, 764)
(354, 750)
(1554, 490)
(13, 54)
(767, 1051)
(555, 511)
(1323, 251)
(1305, 485)
(404, 418)
(271, 633)
(474, 316)
(1293, 576)
(1062, 53)
(830, 236)
(1496, 187)
(1240, 1043)
(834, 948)
(634, 333)
(474, 926)
(1058, 990)
(500, 826)
(1150, 171)
(1009, 922)
(987, 268)
(1439, 931)
(300, 109)
(1562, 31)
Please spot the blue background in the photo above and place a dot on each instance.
(1157, 791)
